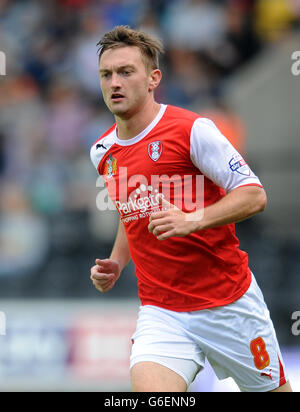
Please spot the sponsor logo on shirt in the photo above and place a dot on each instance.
(184, 192)
(143, 199)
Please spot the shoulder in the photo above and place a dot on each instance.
(181, 116)
(190, 124)
(107, 133)
(102, 145)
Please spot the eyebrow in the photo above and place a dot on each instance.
(126, 66)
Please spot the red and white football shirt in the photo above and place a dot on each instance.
(204, 269)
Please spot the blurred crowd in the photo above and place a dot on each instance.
(51, 111)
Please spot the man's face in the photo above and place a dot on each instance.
(124, 80)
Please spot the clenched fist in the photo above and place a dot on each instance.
(105, 274)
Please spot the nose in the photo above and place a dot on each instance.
(115, 81)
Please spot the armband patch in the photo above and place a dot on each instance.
(237, 164)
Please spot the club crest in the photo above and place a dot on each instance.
(155, 150)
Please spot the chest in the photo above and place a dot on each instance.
(154, 156)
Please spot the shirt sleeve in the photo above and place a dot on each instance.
(217, 159)
(100, 149)
(94, 158)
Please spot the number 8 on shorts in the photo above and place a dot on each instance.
(260, 355)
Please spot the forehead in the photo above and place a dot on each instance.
(121, 56)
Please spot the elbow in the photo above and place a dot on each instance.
(262, 201)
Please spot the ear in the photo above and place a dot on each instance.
(154, 79)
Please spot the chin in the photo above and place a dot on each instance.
(122, 112)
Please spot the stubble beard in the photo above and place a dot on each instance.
(124, 112)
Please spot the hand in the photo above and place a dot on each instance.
(171, 222)
(105, 274)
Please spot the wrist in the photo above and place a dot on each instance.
(196, 220)
(120, 262)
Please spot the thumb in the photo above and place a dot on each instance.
(107, 265)
(102, 262)
(98, 261)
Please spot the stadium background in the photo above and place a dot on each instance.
(229, 60)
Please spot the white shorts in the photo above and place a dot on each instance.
(238, 340)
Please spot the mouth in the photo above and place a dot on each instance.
(117, 97)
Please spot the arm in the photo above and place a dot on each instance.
(218, 160)
(120, 251)
(107, 271)
(238, 205)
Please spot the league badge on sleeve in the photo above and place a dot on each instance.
(155, 150)
(238, 164)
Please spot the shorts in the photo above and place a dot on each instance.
(237, 339)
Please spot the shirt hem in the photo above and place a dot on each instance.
(196, 307)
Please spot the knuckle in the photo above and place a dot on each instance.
(156, 231)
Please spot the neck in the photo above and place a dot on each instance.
(135, 124)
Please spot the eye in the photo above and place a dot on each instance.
(126, 72)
